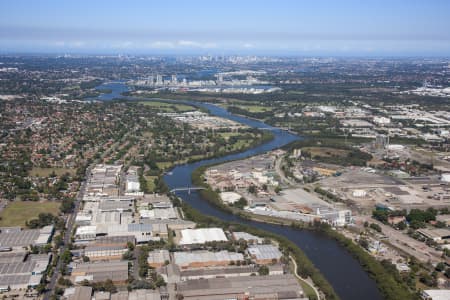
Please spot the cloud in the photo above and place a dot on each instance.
(248, 45)
(194, 44)
(182, 44)
(162, 45)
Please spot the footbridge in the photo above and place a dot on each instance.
(187, 188)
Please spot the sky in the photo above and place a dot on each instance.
(249, 27)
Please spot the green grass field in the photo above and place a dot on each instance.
(256, 108)
(150, 183)
(326, 151)
(164, 165)
(45, 172)
(226, 135)
(168, 107)
(18, 212)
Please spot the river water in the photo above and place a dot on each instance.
(344, 273)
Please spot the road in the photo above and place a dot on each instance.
(71, 220)
(280, 172)
(404, 242)
(67, 235)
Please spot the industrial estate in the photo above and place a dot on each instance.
(208, 175)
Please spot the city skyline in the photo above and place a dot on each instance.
(374, 28)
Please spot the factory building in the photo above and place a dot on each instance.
(203, 258)
(104, 252)
(201, 236)
(253, 287)
(20, 271)
(15, 237)
(117, 271)
(227, 271)
(158, 258)
(264, 254)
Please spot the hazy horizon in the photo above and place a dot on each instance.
(275, 28)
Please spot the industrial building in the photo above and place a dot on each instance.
(158, 258)
(249, 238)
(142, 232)
(436, 234)
(20, 271)
(203, 258)
(104, 252)
(436, 294)
(159, 213)
(114, 241)
(117, 271)
(15, 237)
(227, 271)
(253, 287)
(201, 236)
(86, 233)
(78, 293)
(264, 254)
(137, 295)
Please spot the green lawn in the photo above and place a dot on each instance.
(150, 183)
(164, 165)
(168, 107)
(226, 135)
(18, 212)
(256, 108)
(309, 292)
(45, 172)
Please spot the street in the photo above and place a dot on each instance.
(404, 242)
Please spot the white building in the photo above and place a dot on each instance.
(436, 294)
(445, 177)
(202, 235)
(86, 233)
(381, 121)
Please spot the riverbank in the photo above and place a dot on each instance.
(342, 271)
(390, 284)
(307, 269)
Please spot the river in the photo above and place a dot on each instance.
(344, 273)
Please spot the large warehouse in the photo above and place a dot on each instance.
(197, 259)
(202, 235)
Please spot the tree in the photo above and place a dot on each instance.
(58, 240)
(66, 256)
(440, 267)
(241, 203)
(160, 281)
(263, 270)
(447, 272)
(375, 227)
(401, 225)
(364, 243)
(277, 189)
(252, 189)
(67, 205)
(109, 286)
(128, 255)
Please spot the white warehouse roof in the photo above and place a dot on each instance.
(202, 235)
(436, 294)
(184, 259)
(264, 252)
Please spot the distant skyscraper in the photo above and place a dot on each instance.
(174, 79)
(151, 80)
(159, 79)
